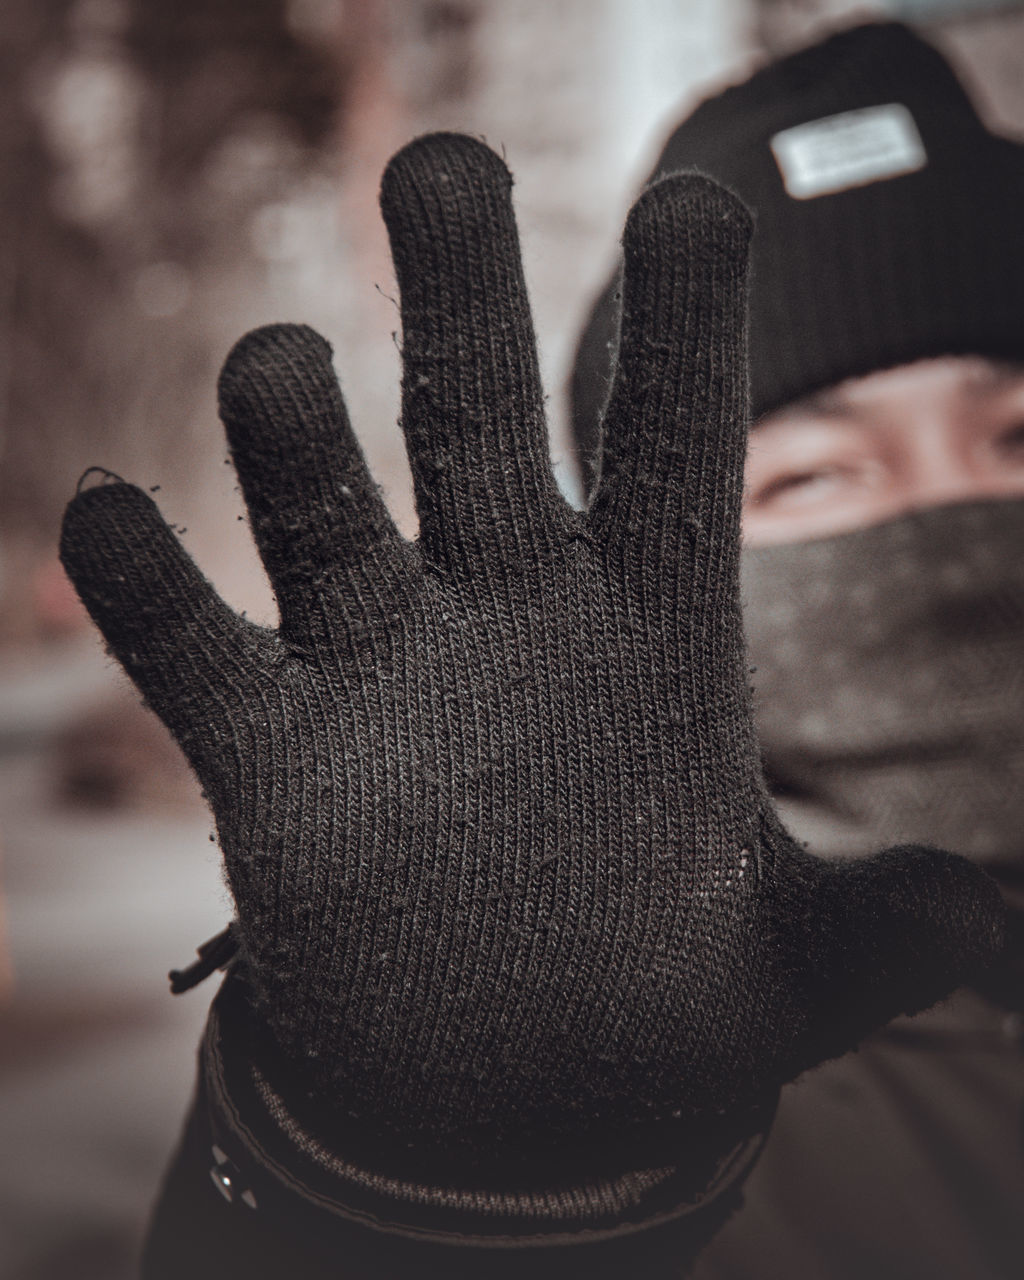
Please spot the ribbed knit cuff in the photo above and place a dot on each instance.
(292, 1175)
(924, 265)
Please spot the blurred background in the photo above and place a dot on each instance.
(173, 174)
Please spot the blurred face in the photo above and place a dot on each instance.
(922, 435)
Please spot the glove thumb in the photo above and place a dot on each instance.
(868, 939)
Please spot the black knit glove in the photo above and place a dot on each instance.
(506, 872)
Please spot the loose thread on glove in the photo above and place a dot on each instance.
(105, 477)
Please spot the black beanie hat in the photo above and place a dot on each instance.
(888, 219)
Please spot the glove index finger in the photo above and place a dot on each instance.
(162, 620)
(676, 421)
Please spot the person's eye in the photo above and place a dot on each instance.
(1010, 441)
(797, 487)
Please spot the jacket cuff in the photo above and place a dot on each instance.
(279, 1168)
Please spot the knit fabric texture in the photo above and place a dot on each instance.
(874, 271)
(507, 876)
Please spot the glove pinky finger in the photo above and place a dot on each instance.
(161, 619)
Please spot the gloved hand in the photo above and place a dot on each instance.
(507, 875)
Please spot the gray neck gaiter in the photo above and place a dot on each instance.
(889, 684)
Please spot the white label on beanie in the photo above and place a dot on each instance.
(848, 150)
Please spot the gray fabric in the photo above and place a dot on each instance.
(888, 683)
(889, 697)
(899, 1162)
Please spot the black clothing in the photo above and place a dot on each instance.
(887, 220)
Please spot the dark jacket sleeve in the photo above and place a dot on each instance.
(196, 1233)
(221, 1213)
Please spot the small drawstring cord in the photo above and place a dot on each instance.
(218, 953)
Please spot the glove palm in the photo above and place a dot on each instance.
(491, 803)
